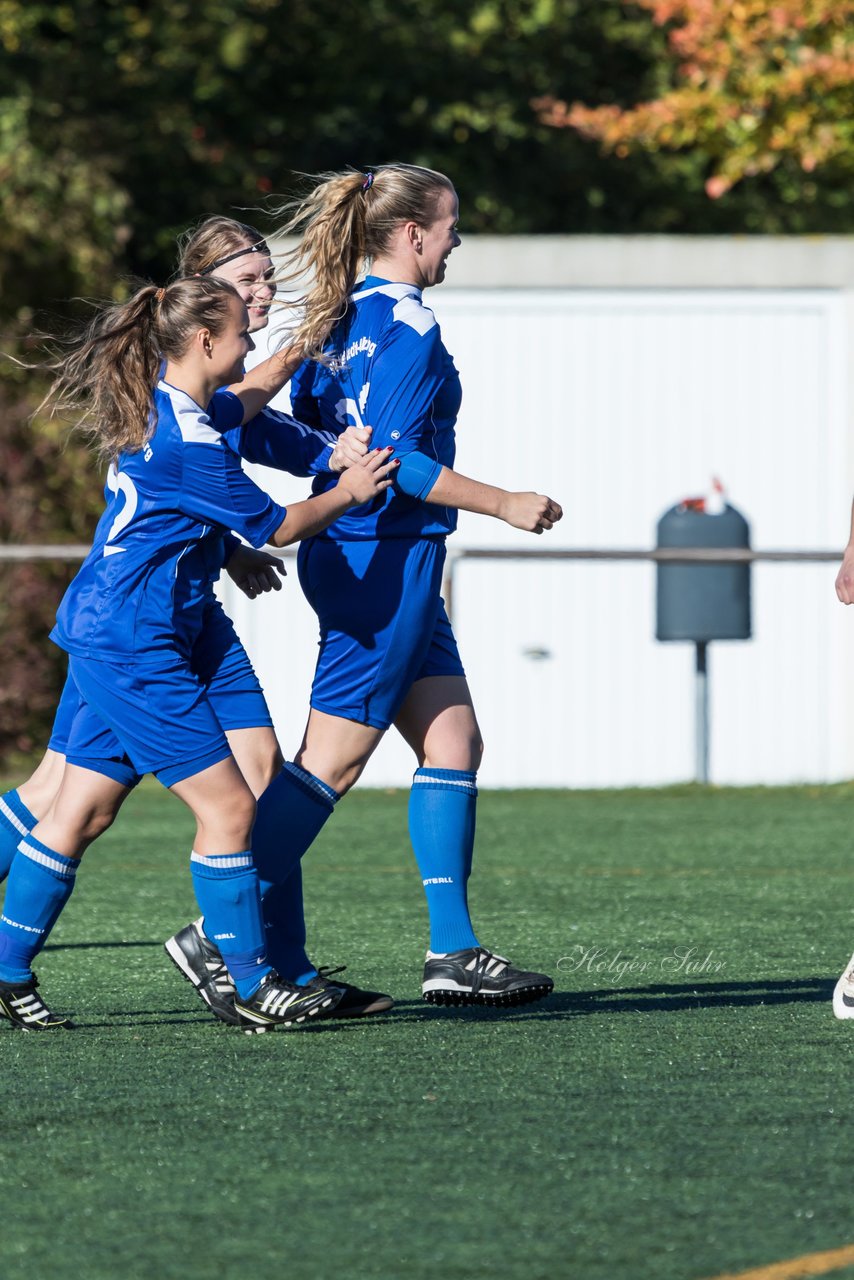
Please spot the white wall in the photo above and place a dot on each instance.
(619, 402)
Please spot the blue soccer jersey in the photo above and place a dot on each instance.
(278, 440)
(388, 370)
(141, 592)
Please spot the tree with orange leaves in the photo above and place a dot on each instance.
(754, 82)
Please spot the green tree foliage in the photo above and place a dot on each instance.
(122, 123)
(51, 493)
(758, 87)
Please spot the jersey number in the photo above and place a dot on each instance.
(118, 482)
(345, 409)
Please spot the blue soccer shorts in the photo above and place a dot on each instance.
(383, 624)
(70, 703)
(167, 719)
(95, 746)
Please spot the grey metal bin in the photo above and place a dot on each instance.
(699, 601)
(702, 602)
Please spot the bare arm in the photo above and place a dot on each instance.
(533, 512)
(845, 577)
(260, 384)
(358, 484)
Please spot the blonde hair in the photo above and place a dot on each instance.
(103, 377)
(346, 219)
(206, 246)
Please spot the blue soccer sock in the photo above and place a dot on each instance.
(291, 813)
(226, 888)
(40, 884)
(16, 821)
(442, 805)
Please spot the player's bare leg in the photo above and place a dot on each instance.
(22, 806)
(257, 754)
(41, 880)
(336, 749)
(43, 783)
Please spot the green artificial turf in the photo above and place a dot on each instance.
(649, 1120)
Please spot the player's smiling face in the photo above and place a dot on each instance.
(251, 275)
(440, 238)
(231, 347)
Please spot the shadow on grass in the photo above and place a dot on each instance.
(97, 946)
(561, 1005)
(131, 1019)
(672, 997)
(656, 998)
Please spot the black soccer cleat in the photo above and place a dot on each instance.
(354, 1002)
(477, 976)
(278, 1003)
(27, 1011)
(201, 963)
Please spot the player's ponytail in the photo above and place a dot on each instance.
(104, 377)
(330, 221)
(345, 220)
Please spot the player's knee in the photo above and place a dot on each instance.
(242, 812)
(464, 753)
(96, 822)
(342, 780)
(226, 823)
(338, 775)
(268, 768)
(471, 754)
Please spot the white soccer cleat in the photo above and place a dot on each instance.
(843, 993)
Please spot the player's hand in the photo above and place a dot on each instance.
(370, 477)
(351, 447)
(255, 572)
(845, 577)
(533, 512)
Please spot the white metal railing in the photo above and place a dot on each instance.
(541, 555)
(657, 555)
(661, 555)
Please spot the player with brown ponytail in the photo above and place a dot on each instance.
(134, 613)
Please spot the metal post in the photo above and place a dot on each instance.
(448, 585)
(702, 717)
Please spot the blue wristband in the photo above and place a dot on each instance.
(417, 474)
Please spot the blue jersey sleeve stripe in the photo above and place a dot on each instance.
(277, 440)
